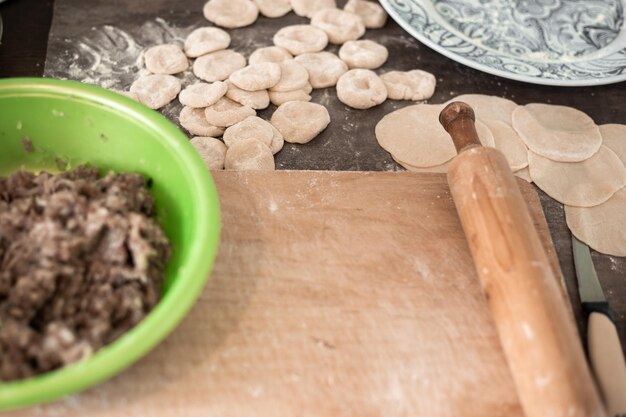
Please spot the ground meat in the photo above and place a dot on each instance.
(82, 260)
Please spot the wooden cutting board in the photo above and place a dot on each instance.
(334, 294)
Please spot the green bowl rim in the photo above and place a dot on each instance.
(162, 320)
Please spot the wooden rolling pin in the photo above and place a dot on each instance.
(535, 326)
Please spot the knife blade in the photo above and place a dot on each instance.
(605, 350)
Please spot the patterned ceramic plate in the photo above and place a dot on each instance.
(552, 42)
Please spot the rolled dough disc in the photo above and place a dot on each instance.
(489, 108)
(508, 142)
(524, 174)
(614, 137)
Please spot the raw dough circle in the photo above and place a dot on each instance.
(324, 68)
(226, 113)
(254, 99)
(166, 59)
(509, 143)
(256, 77)
(614, 138)
(277, 141)
(293, 77)
(361, 89)
(410, 85)
(231, 14)
(277, 98)
(211, 150)
(156, 90)
(363, 54)
(300, 39)
(273, 8)
(339, 25)
(252, 127)
(274, 54)
(194, 122)
(307, 8)
(489, 107)
(557, 132)
(299, 121)
(372, 14)
(219, 65)
(438, 169)
(202, 94)
(249, 155)
(581, 184)
(524, 174)
(206, 40)
(601, 227)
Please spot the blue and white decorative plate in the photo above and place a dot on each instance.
(552, 42)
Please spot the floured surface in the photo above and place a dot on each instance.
(297, 322)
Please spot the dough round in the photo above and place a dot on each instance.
(277, 141)
(524, 174)
(205, 40)
(489, 107)
(361, 89)
(226, 113)
(231, 14)
(194, 122)
(293, 77)
(219, 65)
(165, 59)
(581, 184)
(601, 227)
(248, 155)
(273, 8)
(307, 8)
(252, 127)
(211, 150)
(300, 39)
(299, 121)
(363, 54)
(202, 94)
(372, 14)
(509, 143)
(254, 99)
(557, 132)
(277, 98)
(614, 138)
(274, 54)
(324, 68)
(256, 77)
(414, 136)
(413, 85)
(156, 90)
(438, 169)
(339, 25)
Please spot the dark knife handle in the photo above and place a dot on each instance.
(601, 307)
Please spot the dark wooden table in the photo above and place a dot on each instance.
(23, 52)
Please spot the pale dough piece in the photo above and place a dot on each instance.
(231, 14)
(300, 39)
(165, 59)
(273, 8)
(219, 65)
(277, 141)
(324, 68)
(274, 54)
(194, 122)
(524, 174)
(299, 121)
(602, 227)
(489, 107)
(227, 112)
(372, 14)
(363, 54)
(206, 40)
(248, 155)
(293, 77)
(339, 25)
(361, 89)
(414, 135)
(156, 90)
(252, 127)
(581, 184)
(557, 132)
(614, 138)
(202, 94)
(254, 99)
(256, 77)
(509, 143)
(211, 150)
(412, 85)
(438, 169)
(277, 98)
(308, 8)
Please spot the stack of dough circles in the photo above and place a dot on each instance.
(231, 14)
(227, 112)
(339, 25)
(614, 138)
(254, 99)
(196, 123)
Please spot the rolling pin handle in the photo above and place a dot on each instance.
(458, 118)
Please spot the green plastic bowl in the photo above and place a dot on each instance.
(70, 123)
